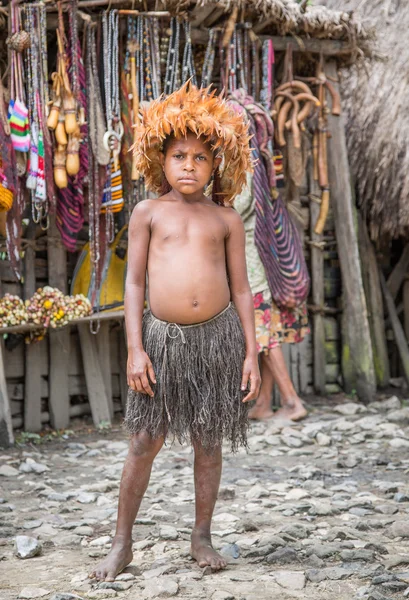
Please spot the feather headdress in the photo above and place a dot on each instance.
(206, 115)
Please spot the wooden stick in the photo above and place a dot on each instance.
(399, 272)
(373, 294)
(398, 332)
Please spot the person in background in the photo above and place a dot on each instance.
(274, 326)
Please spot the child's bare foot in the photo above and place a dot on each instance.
(260, 413)
(118, 558)
(204, 553)
(293, 409)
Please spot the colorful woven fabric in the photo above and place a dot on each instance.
(112, 198)
(19, 127)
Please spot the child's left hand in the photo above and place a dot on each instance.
(251, 372)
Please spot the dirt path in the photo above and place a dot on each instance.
(317, 511)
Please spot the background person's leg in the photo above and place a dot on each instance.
(291, 405)
(134, 481)
(208, 470)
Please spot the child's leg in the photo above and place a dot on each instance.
(208, 470)
(135, 479)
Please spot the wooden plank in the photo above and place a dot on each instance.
(399, 273)
(358, 345)
(398, 332)
(75, 366)
(332, 373)
(406, 307)
(113, 315)
(6, 426)
(101, 412)
(32, 388)
(299, 44)
(317, 286)
(373, 295)
(104, 354)
(294, 365)
(304, 366)
(58, 341)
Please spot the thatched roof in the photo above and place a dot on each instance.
(376, 103)
(286, 17)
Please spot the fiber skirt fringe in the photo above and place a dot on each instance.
(198, 371)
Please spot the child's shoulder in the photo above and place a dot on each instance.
(145, 207)
(231, 215)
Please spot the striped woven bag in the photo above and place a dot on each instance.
(277, 239)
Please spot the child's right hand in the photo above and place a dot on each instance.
(138, 368)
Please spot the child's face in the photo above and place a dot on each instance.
(188, 164)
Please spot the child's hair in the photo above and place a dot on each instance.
(217, 196)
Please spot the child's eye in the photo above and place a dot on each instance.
(201, 158)
(178, 156)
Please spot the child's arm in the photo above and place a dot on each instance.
(243, 300)
(139, 364)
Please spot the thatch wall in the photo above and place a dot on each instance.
(286, 17)
(376, 102)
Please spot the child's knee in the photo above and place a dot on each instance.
(143, 445)
(208, 456)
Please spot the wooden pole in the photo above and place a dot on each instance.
(399, 273)
(406, 307)
(357, 346)
(59, 341)
(32, 379)
(317, 288)
(373, 294)
(400, 338)
(6, 424)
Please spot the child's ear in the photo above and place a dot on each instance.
(217, 162)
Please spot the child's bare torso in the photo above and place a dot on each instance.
(187, 261)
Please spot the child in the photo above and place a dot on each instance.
(192, 357)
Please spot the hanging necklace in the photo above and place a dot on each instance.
(93, 168)
(147, 60)
(157, 88)
(188, 66)
(208, 62)
(240, 59)
(172, 66)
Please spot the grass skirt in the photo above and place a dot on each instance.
(198, 371)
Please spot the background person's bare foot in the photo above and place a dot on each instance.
(293, 409)
(260, 413)
(204, 553)
(118, 558)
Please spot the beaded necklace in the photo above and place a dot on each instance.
(139, 59)
(157, 87)
(73, 22)
(36, 99)
(94, 190)
(188, 65)
(113, 136)
(255, 81)
(147, 53)
(172, 65)
(208, 62)
(240, 59)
